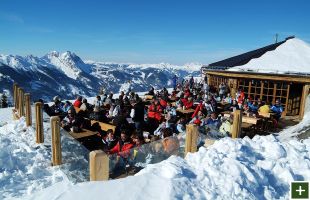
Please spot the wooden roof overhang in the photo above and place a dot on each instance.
(297, 78)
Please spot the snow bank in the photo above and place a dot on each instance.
(230, 169)
(292, 56)
(25, 167)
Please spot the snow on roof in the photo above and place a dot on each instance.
(293, 56)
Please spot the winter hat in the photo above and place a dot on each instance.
(56, 98)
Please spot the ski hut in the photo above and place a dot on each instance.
(277, 71)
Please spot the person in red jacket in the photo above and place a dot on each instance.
(78, 102)
(189, 104)
(122, 148)
(155, 111)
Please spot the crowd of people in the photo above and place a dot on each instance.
(139, 120)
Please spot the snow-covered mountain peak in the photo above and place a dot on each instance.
(14, 61)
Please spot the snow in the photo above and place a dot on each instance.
(293, 56)
(25, 167)
(261, 168)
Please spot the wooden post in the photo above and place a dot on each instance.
(286, 101)
(274, 94)
(15, 87)
(261, 90)
(305, 93)
(21, 102)
(209, 80)
(28, 110)
(191, 138)
(39, 123)
(98, 166)
(236, 129)
(233, 87)
(56, 146)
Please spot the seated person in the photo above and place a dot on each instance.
(213, 121)
(264, 108)
(151, 92)
(78, 102)
(67, 106)
(110, 140)
(225, 128)
(72, 122)
(227, 99)
(109, 100)
(123, 146)
(57, 108)
(254, 107)
(86, 106)
(189, 104)
(180, 126)
(278, 109)
(170, 144)
(198, 119)
(234, 106)
(98, 102)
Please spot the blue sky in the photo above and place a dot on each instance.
(135, 31)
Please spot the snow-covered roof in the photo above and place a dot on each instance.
(292, 56)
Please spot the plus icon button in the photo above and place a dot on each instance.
(300, 190)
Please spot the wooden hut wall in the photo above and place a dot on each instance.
(266, 90)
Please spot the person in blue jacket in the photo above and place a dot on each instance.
(278, 109)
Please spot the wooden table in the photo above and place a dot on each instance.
(188, 111)
(82, 134)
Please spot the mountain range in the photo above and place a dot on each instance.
(67, 75)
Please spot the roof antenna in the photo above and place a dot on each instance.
(277, 35)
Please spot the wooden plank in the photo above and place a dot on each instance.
(305, 92)
(249, 89)
(274, 93)
(39, 122)
(250, 120)
(236, 128)
(82, 134)
(261, 90)
(286, 101)
(191, 138)
(98, 166)
(56, 141)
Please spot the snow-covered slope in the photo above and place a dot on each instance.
(293, 56)
(67, 75)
